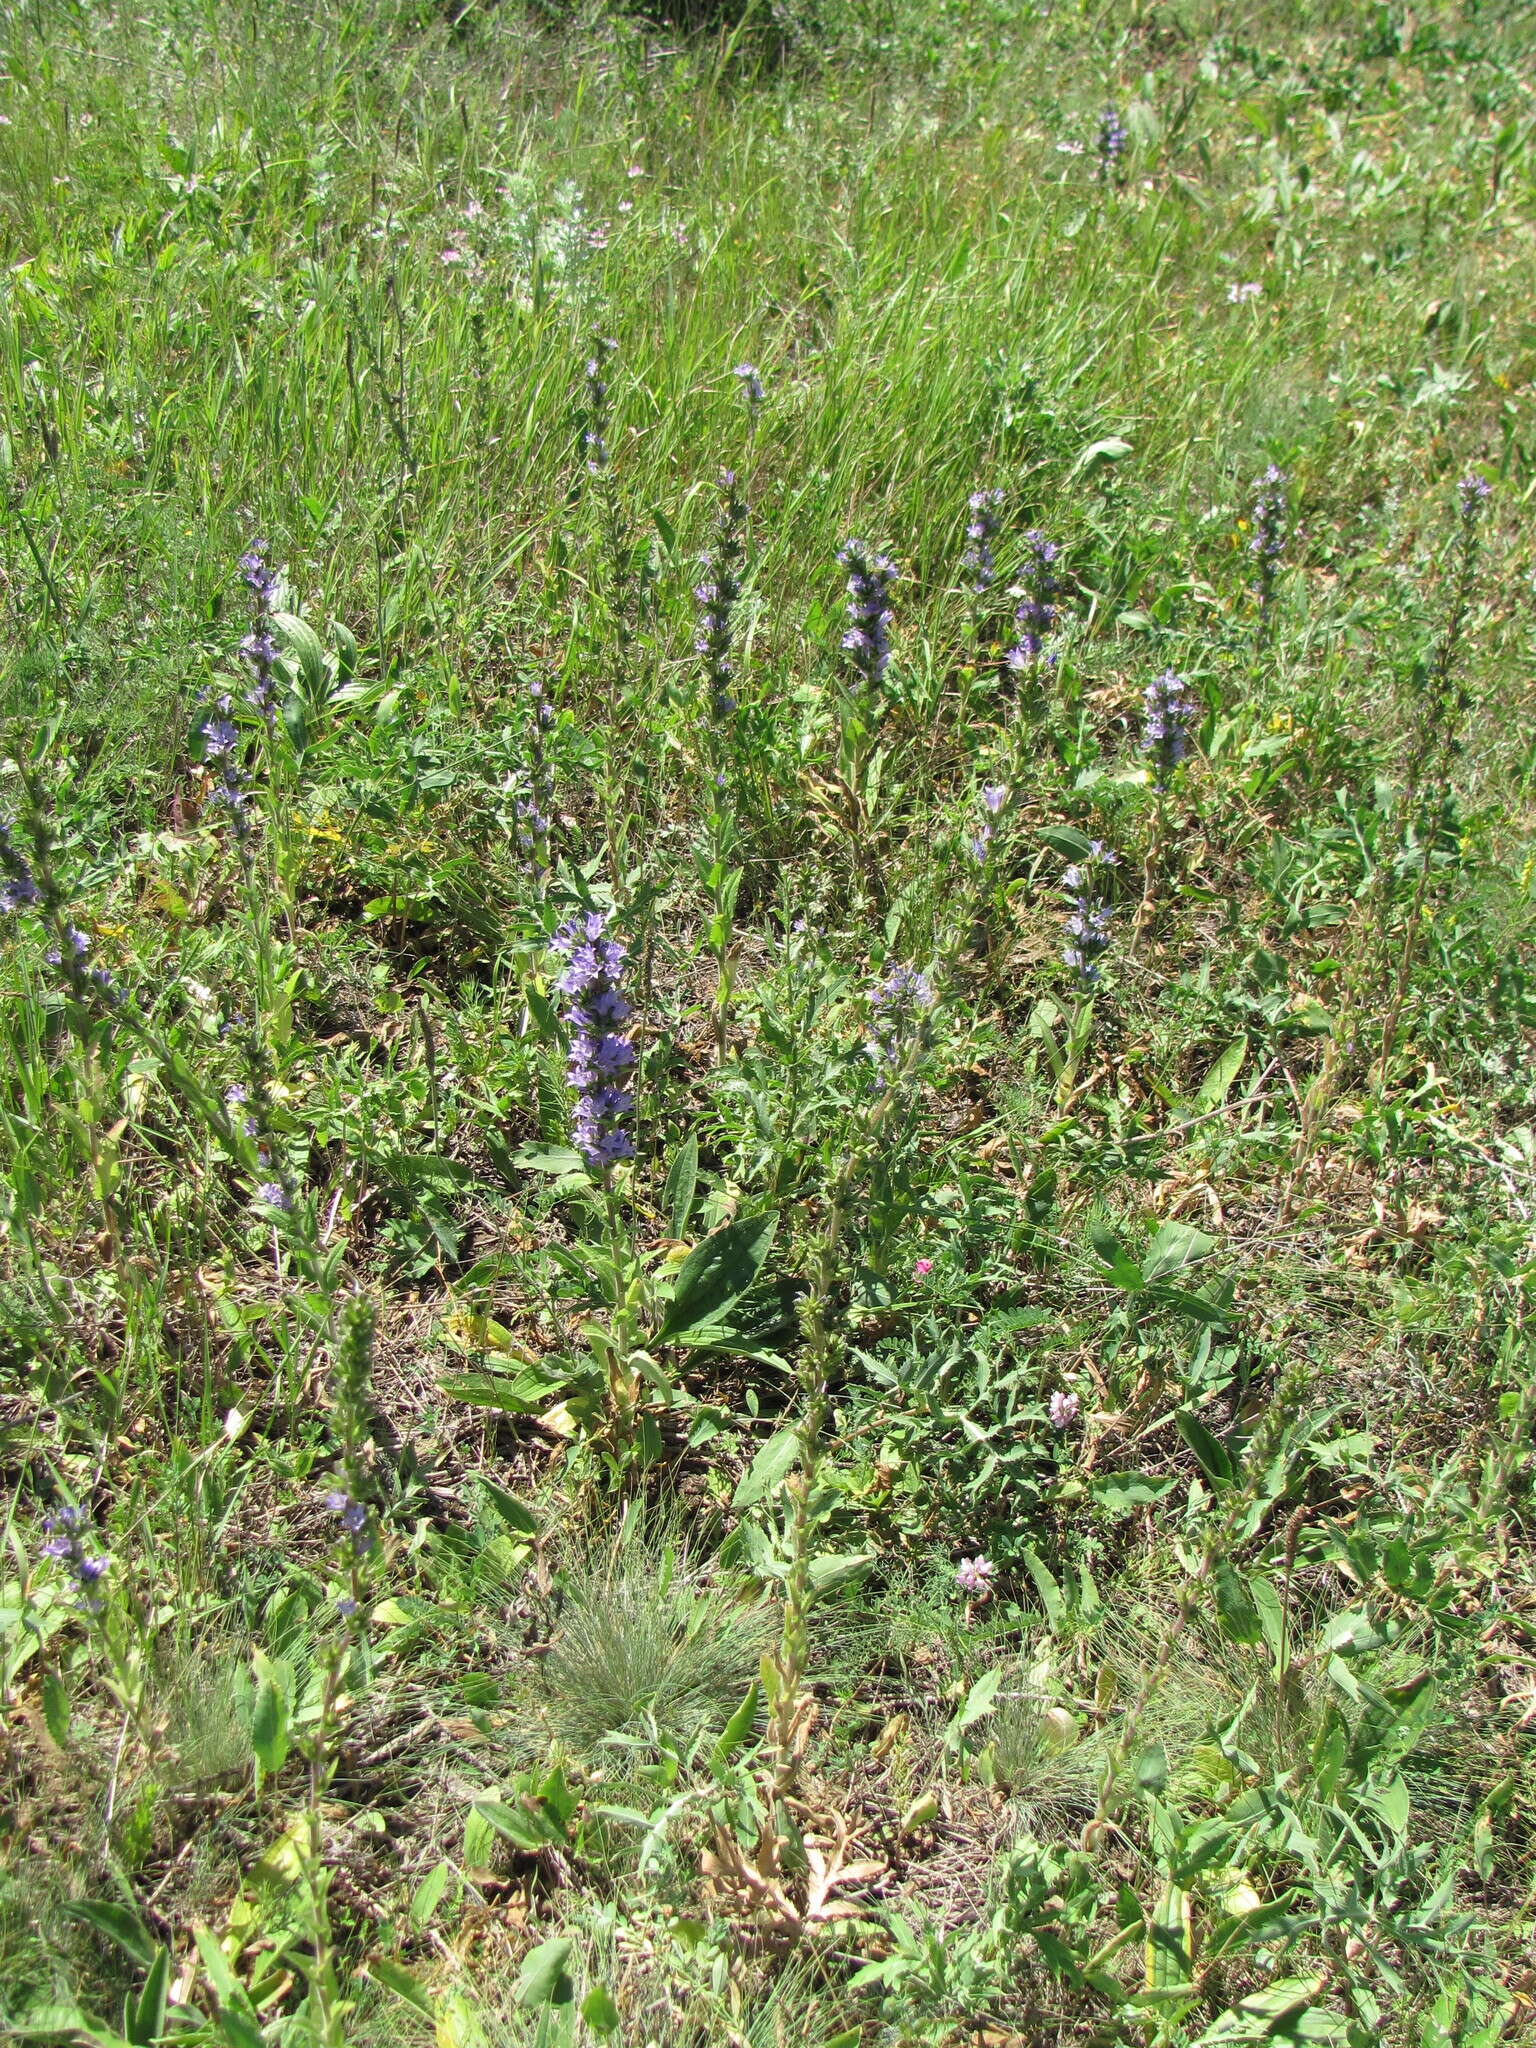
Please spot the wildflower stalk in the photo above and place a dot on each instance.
(32, 882)
(1169, 713)
(1029, 660)
(345, 1663)
(1445, 703)
(717, 596)
(898, 1051)
(1271, 531)
(598, 1066)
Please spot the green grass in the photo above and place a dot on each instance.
(658, 1647)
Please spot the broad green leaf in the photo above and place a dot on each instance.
(427, 1895)
(1118, 1492)
(1217, 1085)
(739, 1727)
(1122, 1268)
(599, 2010)
(1169, 1934)
(1275, 2014)
(526, 1830)
(519, 1520)
(831, 1569)
(1046, 1586)
(978, 1703)
(523, 1393)
(714, 1277)
(117, 1923)
(269, 1718)
(408, 1989)
(1214, 1458)
(1235, 1608)
(56, 1709)
(548, 1159)
(1175, 1246)
(1098, 453)
(146, 2022)
(1152, 1770)
(766, 1470)
(682, 1183)
(301, 643)
(545, 1978)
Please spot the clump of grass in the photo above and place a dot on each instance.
(650, 1643)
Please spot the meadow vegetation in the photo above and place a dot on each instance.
(766, 899)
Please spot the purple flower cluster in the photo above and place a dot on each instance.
(980, 532)
(993, 797)
(19, 888)
(1086, 882)
(974, 1575)
(600, 1056)
(1472, 493)
(257, 648)
(899, 1006)
(1269, 515)
(751, 388)
(1170, 712)
(595, 434)
(1113, 141)
(717, 595)
(534, 810)
(67, 1545)
(1036, 614)
(1271, 529)
(220, 740)
(72, 955)
(354, 1520)
(868, 638)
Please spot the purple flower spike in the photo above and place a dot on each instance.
(1036, 615)
(600, 1055)
(1170, 713)
(868, 638)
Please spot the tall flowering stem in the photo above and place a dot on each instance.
(1169, 714)
(1035, 618)
(257, 649)
(901, 1006)
(1271, 533)
(717, 595)
(867, 644)
(867, 641)
(600, 1061)
(978, 569)
(1439, 722)
(1087, 925)
(32, 889)
(601, 1055)
(613, 531)
(979, 562)
(534, 793)
(345, 1658)
(1112, 141)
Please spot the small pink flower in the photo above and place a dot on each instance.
(974, 1575)
(1065, 1409)
(922, 1269)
